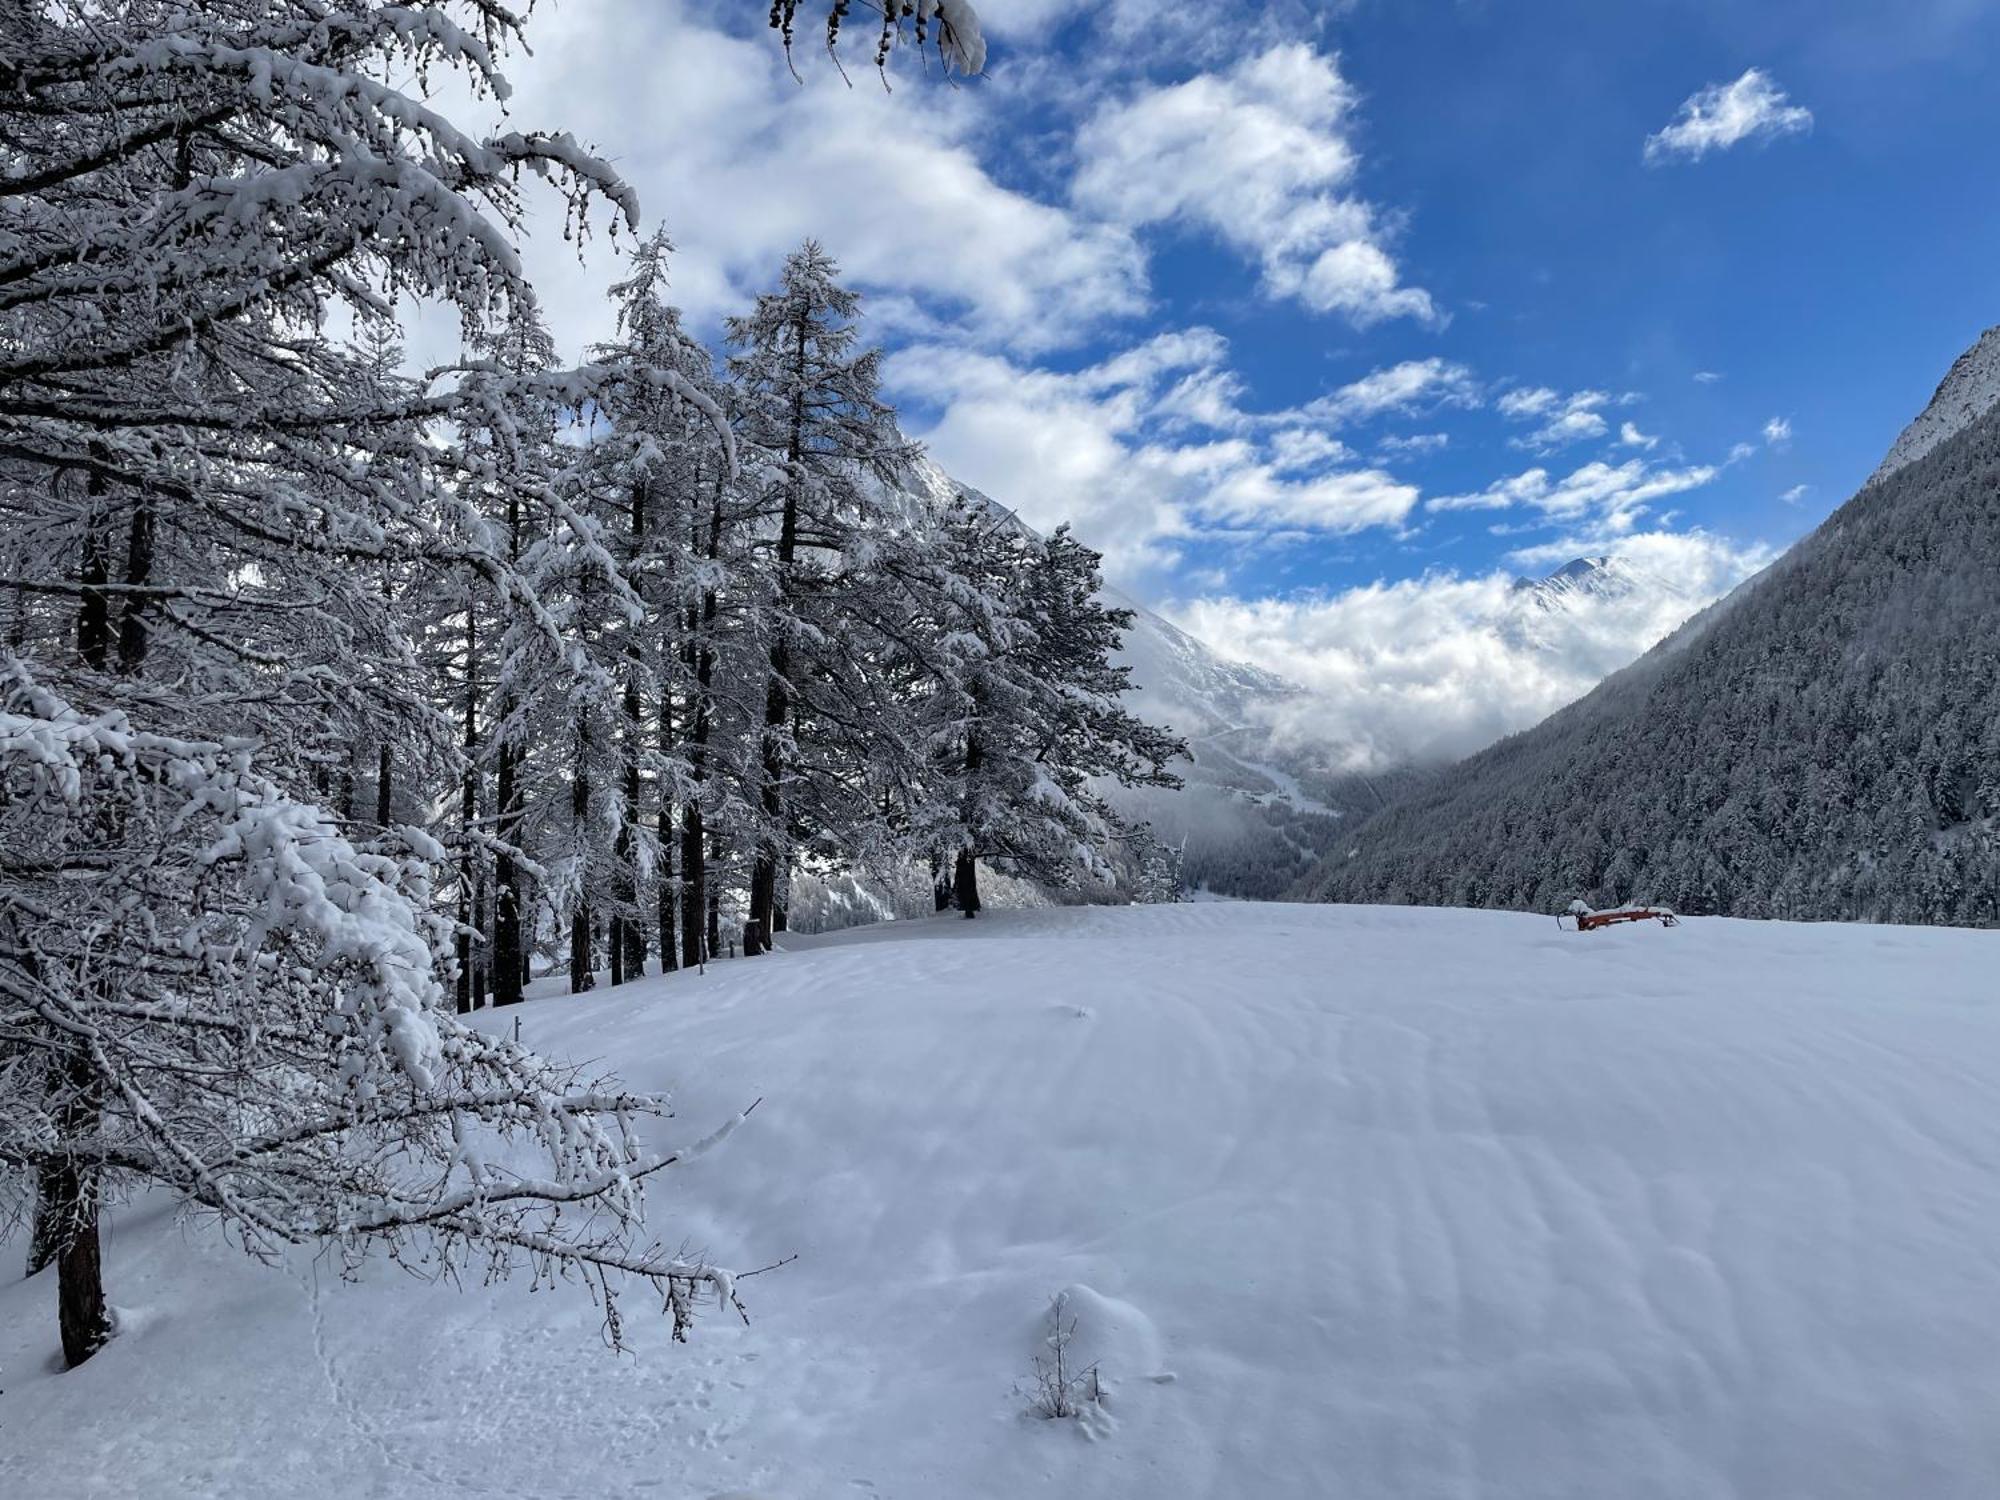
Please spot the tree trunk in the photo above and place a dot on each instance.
(468, 817)
(694, 887)
(965, 873)
(581, 976)
(508, 957)
(93, 614)
(667, 900)
(67, 1222)
(700, 657)
(714, 895)
(628, 934)
(132, 631)
(965, 883)
(764, 867)
(80, 1311)
(777, 700)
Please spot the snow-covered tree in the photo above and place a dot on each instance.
(227, 997)
(220, 514)
(820, 449)
(1033, 720)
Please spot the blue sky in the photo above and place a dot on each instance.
(1325, 321)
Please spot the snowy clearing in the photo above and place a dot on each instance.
(1345, 1201)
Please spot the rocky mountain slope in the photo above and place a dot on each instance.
(1969, 390)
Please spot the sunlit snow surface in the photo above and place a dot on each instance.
(1349, 1202)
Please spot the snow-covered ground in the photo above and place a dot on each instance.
(1351, 1202)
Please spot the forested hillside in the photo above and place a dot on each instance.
(1823, 744)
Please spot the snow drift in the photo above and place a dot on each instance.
(1364, 1202)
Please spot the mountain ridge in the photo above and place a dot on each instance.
(1819, 743)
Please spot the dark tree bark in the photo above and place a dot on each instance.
(66, 1205)
(699, 656)
(714, 895)
(965, 872)
(132, 629)
(93, 615)
(508, 958)
(965, 883)
(777, 700)
(468, 815)
(581, 976)
(764, 867)
(66, 1222)
(668, 901)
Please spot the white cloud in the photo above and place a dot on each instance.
(1415, 384)
(1113, 448)
(1415, 444)
(1630, 435)
(1778, 431)
(1563, 419)
(1260, 156)
(1724, 114)
(1706, 377)
(1795, 494)
(1612, 496)
(1441, 665)
(741, 162)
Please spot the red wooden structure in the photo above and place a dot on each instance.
(1587, 920)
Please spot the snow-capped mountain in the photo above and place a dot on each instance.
(1820, 743)
(1969, 390)
(1586, 577)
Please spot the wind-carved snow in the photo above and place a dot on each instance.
(1409, 1202)
(1969, 390)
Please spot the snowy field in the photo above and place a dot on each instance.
(1350, 1202)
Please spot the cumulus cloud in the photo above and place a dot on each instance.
(1726, 114)
(1778, 431)
(1151, 449)
(1260, 156)
(1560, 420)
(1630, 435)
(1438, 666)
(894, 186)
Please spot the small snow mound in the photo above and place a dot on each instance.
(1113, 1337)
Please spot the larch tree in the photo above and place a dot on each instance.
(204, 982)
(819, 446)
(1033, 725)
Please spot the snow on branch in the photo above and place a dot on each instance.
(248, 1010)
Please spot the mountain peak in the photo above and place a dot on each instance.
(1969, 390)
(1603, 577)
